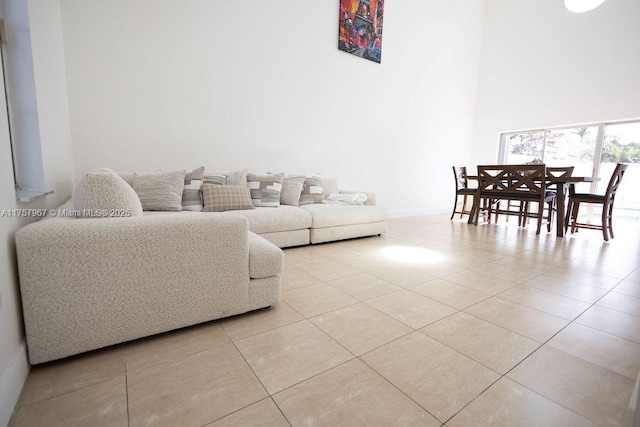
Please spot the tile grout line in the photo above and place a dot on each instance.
(126, 385)
(536, 350)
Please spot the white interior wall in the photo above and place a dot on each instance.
(544, 66)
(160, 84)
(39, 30)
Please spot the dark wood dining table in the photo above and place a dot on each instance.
(561, 184)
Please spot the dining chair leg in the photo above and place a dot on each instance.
(540, 215)
(605, 223)
(464, 205)
(550, 217)
(574, 214)
(455, 204)
(567, 217)
(611, 221)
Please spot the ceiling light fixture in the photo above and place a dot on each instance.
(579, 6)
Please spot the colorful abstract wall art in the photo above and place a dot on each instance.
(361, 28)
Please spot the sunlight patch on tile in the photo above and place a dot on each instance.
(412, 255)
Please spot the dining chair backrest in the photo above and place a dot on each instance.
(460, 173)
(614, 182)
(560, 171)
(520, 181)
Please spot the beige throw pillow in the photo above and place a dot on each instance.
(237, 177)
(160, 192)
(292, 189)
(220, 198)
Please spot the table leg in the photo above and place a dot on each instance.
(474, 210)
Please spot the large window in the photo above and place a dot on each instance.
(593, 149)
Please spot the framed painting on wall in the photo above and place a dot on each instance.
(360, 25)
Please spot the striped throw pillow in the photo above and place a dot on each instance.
(265, 189)
(215, 178)
(192, 194)
(312, 191)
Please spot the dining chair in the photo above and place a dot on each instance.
(524, 183)
(522, 211)
(606, 200)
(551, 197)
(462, 189)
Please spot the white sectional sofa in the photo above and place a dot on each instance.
(287, 226)
(88, 283)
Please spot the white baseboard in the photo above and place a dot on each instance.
(12, 381)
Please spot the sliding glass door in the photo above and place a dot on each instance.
(593, 149)
(622, 145)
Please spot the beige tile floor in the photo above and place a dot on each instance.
(435, 323)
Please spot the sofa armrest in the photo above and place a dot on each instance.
(371, 197)
(90, 283)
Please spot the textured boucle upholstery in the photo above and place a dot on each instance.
(103, 191)
(264, 292)
(331, 234)
(285, 239)
(89, 284)
(265, 259)
(283, 218)
(327, 215)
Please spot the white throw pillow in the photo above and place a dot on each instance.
(292, 189)
(102, 193)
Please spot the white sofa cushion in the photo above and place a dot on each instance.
(102, 193)
(336, 215)
(282, 218)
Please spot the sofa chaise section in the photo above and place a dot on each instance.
(283, 226)
(337, 222)
(91, 283)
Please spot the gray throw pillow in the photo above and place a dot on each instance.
(237, 178)
(160, 192)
